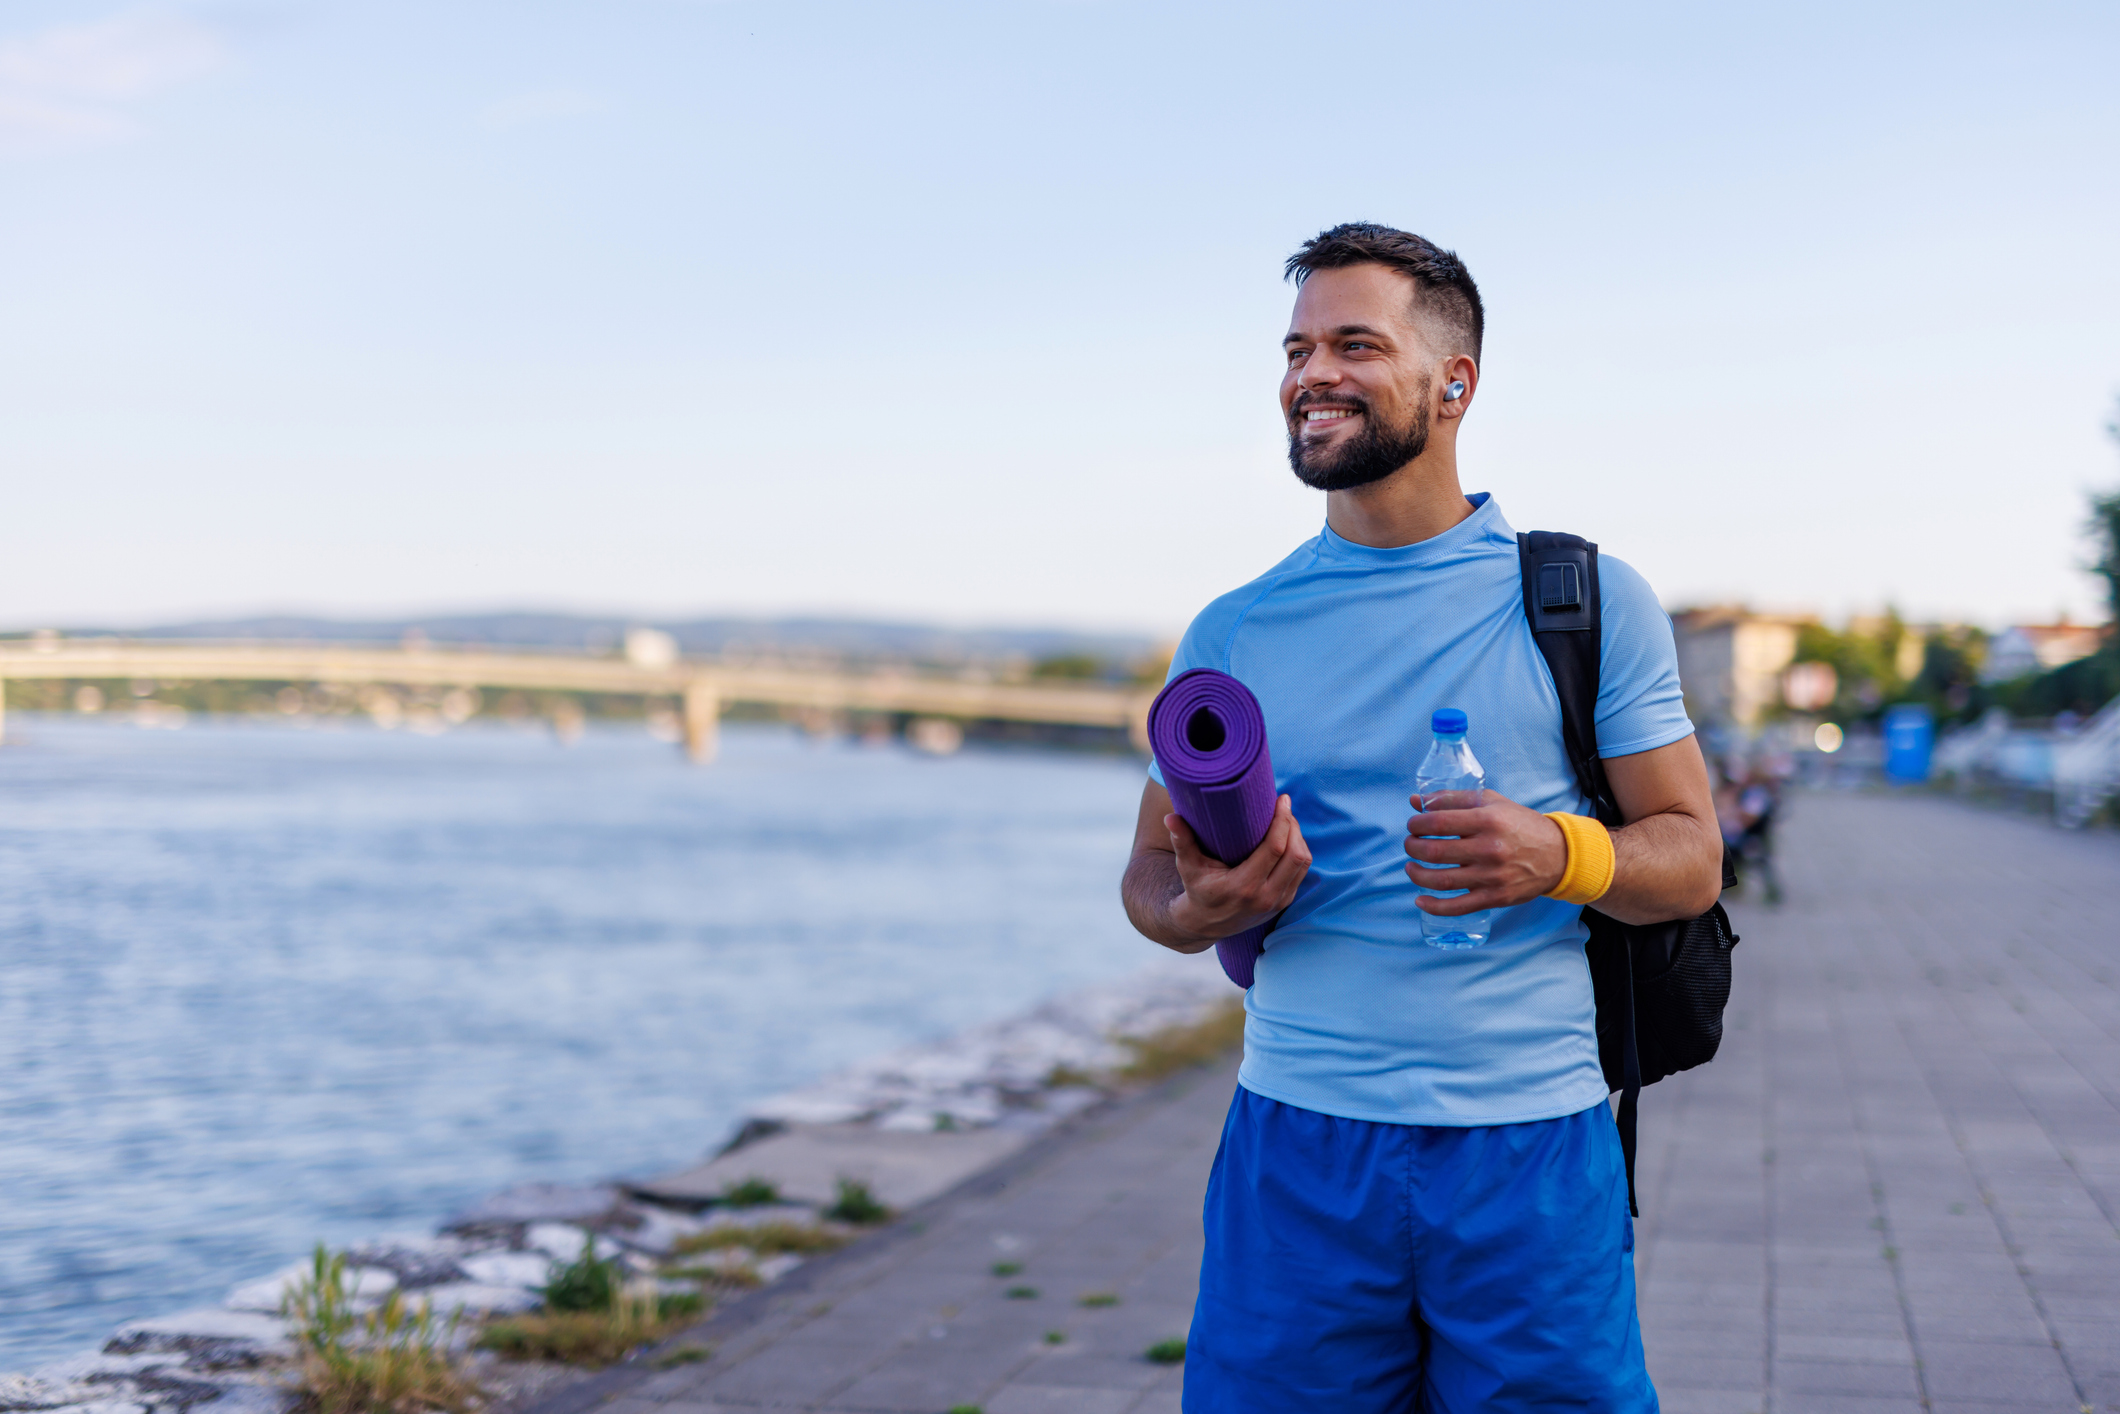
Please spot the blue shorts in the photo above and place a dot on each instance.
(1357, 1267)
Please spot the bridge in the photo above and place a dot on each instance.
(704, 687)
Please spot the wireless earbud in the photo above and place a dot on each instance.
(1453, 392)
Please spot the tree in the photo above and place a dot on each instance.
(2104, 529)
(2087, 684)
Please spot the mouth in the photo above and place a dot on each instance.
(1319, 419)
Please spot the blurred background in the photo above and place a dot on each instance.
(896, 344)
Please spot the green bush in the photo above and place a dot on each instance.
(753, 1192)
(857, 1205)
(1167, 1352)
(585, 1284)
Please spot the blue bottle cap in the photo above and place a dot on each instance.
(1448, 721)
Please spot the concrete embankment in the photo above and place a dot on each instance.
(899, 1130)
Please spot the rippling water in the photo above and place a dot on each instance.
(262, 986)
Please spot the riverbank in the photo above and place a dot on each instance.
(894, 1132)
(268, 986)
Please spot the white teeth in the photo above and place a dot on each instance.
(1327, 415)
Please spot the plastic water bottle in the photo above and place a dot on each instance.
(1449, 768)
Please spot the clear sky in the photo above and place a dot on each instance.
(972, 312)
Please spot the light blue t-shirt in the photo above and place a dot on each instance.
(1349, 649)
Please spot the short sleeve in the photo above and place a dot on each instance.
(1191, 653)
(1640, 704)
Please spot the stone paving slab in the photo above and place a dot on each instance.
(1895, 1190)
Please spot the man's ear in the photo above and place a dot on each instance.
(1461, 376)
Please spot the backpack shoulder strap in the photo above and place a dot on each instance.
(1567, 622)
(1566, 615)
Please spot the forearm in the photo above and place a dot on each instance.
(1665, 866)
(1149, 887)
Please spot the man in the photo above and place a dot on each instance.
(1419, 1201)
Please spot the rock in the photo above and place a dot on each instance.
(209, 1328)
(476, 1298)
(756, 1128)
(589, 1206)
(901, 1170)
(75, 1369)
(990, 1074)
(166, 1392)
(721, 1260)
(509, 1268)
(252, 1398)
(773, 1268)
(416, 1261)
(559, 1241)
(657, 1230)
(369, 1285)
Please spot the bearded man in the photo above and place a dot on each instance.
(1419, 1201)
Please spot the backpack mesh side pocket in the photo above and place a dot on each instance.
(1679, 1010)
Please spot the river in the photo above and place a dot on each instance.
(262, 986)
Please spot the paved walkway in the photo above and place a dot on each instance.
(1896, 1189)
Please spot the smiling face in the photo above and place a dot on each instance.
(1357, 390)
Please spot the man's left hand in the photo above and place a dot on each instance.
(1506, 853)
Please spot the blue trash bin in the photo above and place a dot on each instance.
(1909, 741)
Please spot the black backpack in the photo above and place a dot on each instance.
(1661, 987)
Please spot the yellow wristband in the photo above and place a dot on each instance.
(1590, 861)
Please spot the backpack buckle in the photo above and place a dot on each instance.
(1559, 587)
(1558, 594)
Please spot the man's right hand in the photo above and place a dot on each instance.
(1185, 899)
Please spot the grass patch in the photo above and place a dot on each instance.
(753, 1192)
(966, 1409)
(766, 1239)
(591, 1338)
(1095, 1299)
(683, 1355)
(1056, 1337)
(1007, 1269)
(392, 1360)
(1022, 1293)
(1063, 1076)
(729, 1278)
(1167, 1352)
(1177, 1048)
(857, 1205)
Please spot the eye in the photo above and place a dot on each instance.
(1358, 344)
(1297, 355)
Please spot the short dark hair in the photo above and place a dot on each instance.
(1446, 292)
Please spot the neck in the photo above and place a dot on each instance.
(1417, 502)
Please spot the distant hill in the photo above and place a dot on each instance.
(857, 639)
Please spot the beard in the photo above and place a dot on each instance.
(1370, 455)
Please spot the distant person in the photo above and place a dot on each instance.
(1745, 808)
(1420, 1199)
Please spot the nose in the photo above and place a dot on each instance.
(1318, 371)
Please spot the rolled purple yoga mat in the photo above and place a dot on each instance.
(1209, 737)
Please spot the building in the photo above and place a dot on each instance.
(2037, 648)
(1731, 661)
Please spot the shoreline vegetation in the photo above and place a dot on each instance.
(537, 1286)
